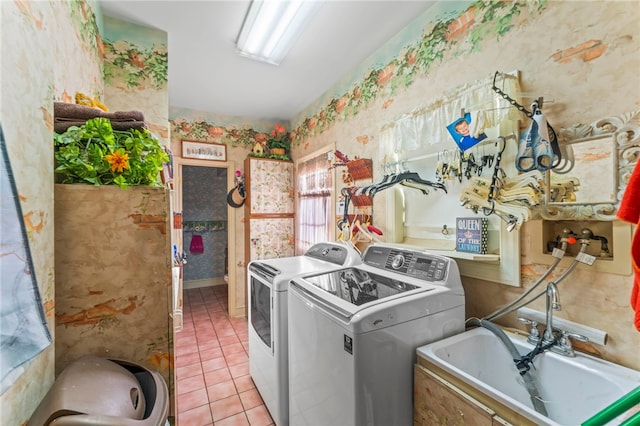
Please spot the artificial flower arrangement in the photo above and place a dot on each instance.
(95, 153)
(274, 145)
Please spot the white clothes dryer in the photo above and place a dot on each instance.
(353, 335)
(268, 282)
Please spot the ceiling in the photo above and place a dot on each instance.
(206, 74)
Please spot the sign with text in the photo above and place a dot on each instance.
(472, 234)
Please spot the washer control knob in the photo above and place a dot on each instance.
(397, 261)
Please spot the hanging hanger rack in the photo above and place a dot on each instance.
(533, 95)
(486, 196)
(405, 177)
(493, 188)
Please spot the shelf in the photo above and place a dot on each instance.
(492, 258)
(488, 258)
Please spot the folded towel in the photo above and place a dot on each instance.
(63, 110)
(629, 211)
(66, 115)
(80, 120)
(68, 110)
(62, 125)
(128, 115)
(127, 125)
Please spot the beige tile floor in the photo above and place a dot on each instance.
(212, 364)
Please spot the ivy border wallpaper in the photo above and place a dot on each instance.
(450, 32)
(588, 61)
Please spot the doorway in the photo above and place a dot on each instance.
(207, 236)
(204, 226)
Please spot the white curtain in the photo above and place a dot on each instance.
(425, 128)
(313, 222)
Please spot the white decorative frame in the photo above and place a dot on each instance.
(204, 150)
(623, 133)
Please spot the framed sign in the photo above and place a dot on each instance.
(472, 234)
(204, 151)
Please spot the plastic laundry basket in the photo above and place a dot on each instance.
(106, 392)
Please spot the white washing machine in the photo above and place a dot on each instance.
(268, 282)
(353, 335)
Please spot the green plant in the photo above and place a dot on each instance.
(279, 140)
(95, 153)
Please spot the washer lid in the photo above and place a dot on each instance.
(373, 301)
(320, 257)
(358, 286)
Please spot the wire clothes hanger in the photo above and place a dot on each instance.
(406, 178)
(509, 198)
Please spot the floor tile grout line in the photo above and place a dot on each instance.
(237, 331)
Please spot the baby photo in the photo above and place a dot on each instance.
(461, 132)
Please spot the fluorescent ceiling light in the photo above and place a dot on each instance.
(273, 26)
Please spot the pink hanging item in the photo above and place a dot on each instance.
(196, 245)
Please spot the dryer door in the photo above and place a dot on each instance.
(261, 309)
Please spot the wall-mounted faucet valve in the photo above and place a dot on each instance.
(585, 236)
(604, 245)
(567, 236)
(559, 245)
(584, 240)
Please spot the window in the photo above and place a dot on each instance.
(313, 224)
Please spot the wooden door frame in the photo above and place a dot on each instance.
(234, 310)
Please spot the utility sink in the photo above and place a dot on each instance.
(573, 389)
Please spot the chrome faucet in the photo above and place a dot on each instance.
(564, 346)
(553, 303)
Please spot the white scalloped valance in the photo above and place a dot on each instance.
(424, 129)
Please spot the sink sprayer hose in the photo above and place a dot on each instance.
(561, 278)
(529, 382)
(515, 305)
(507, 309)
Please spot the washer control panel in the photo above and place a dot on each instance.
(417, 264)
(334, 253)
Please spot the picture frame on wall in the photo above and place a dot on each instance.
(204, 150)
(472, 234)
